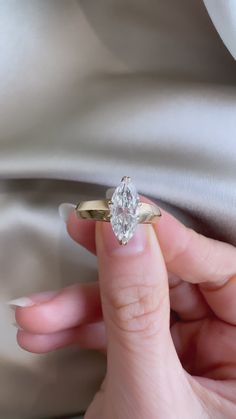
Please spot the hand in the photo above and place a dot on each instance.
(158, 366)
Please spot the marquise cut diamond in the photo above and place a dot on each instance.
(124, 210)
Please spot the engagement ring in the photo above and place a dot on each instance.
(123, 210)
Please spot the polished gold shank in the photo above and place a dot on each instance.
(98, 210)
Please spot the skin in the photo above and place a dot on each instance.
(164, 317)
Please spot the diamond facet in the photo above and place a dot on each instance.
(124, 207)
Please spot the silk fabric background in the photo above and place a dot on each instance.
(91, 91)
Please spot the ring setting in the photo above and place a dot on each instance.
(123, 210)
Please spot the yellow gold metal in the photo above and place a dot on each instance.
(98, 210)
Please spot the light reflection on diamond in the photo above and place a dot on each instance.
(124, 210)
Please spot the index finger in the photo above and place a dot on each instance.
(200, 260)
(190, 255)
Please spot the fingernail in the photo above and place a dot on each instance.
(33, 299)
(134, 246)
(65, 209)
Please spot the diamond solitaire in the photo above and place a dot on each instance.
(124, 207)
(123, 210)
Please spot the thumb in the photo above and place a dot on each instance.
(141, 358)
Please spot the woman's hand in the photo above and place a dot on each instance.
(158, 366)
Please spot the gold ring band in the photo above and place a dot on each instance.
(124, 210)
(99, 210)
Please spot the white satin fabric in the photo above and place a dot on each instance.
(223, 14)
(92, 91)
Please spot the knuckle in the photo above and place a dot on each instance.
(135, 306)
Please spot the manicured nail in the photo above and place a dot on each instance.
(33, 299)
(134, 246)
(21, 302)
(65, 209)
